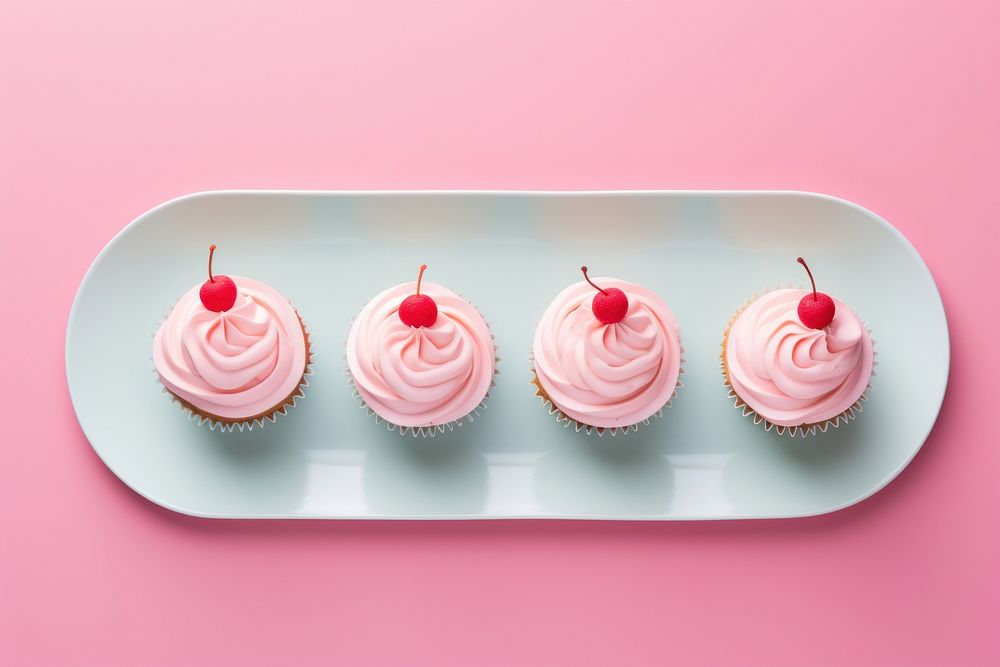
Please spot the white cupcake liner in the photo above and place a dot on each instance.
(247, 425)
(600, 431)
(426, 431)
(802, 431)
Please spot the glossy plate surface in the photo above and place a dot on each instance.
(509, 253)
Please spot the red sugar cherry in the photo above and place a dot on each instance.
(609, 305)
(418, 310)
(218, 293)
(816, 310)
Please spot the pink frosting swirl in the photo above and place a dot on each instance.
(421, 376)
(792, 375)
(607, 375)
(235, 364)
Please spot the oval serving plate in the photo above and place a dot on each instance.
(509, 253)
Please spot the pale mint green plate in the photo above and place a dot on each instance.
(509, 253)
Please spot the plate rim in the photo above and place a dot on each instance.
(806, 194)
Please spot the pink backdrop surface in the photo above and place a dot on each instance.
(109, 108)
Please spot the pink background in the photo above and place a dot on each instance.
(108, 108)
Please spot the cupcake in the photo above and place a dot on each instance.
(606, 361)
(797, 360)
(233, 352)
(421, 358)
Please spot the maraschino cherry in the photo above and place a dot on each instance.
(418, 310)
(609, 305)
(218, 293)
(816, 310)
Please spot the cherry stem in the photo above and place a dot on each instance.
(803, 263)
(211, 251)
(420, 277)
(587, 278)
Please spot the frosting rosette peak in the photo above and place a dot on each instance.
(240, 364)
(421, 376)
(792, 375)
(607, 375)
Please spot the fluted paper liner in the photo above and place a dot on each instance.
(802, 430)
